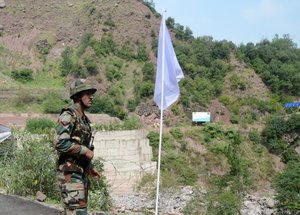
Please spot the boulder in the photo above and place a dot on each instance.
(2, 4)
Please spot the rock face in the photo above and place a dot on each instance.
(2, 4)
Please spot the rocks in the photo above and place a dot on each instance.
(297, 149)
(170, 202)
(174, 201)
(253, 205)
(2, 4)
(40, 196)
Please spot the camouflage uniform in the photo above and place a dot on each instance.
(73, 137)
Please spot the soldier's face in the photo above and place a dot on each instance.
(87, 98)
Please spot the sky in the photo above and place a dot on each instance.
(239, 21)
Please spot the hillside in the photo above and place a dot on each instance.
(46, 45)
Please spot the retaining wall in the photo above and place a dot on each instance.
(127, 157)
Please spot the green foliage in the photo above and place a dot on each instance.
(142, 54)
(131, 123)
(179, 165)
(131, 105)
(43, 47)
(66, 65)
(101, 105)
(23, 176)
(176, 133)
(84, 43)
(39, 125)
(276, 62)
(53, 103)
(104, 104)
(254, 136)
(99, 198)
(91, 66)
(126, 52)
(22, 75)
(148, 72)
(146, 89)
(212, 131)
(223, 203)
(288, 189)
(195, 205)
(105, 46)
(113, 73)
(150, 4)
(278, 131)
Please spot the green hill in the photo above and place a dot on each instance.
(46, 45)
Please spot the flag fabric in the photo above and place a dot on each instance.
(168, 71)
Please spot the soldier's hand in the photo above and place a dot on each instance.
(94, 173)
(89, 154)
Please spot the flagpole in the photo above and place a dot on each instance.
(161, 115)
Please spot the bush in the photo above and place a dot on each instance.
(99, 198)
(32, 168)
(126, 52)
(53, 103)
(66, 65)
(142, 54)
(288, 190)
(176, 133)
(39, 125)
(22, 75)
(113, 73)
(91, 66)
(223, 203)
(132, 123)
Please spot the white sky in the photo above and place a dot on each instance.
(239, 21)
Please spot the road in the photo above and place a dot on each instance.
(10, 205)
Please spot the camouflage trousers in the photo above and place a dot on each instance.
(73, 187)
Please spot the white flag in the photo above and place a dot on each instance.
(168, 72)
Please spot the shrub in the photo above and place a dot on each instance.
(91, 66)
(99, 198)
(254, 136)
(32, 168)
(288, 190)
(132, 123)
(176, 133)
(22, 75)
(126, 52)
(223, 203)
(53, 103)
(146, 89)
(39, 125)
(131, 105)
(67, 63)
(142, 54)
(148, 72)
(113, 73)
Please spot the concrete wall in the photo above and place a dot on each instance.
(127, 156)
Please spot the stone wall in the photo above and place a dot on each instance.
(127, 156)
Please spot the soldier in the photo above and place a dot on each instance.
(75, 149)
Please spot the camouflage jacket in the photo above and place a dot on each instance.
(73, 136)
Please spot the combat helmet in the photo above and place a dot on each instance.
(80, 85)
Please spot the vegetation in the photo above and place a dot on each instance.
(23, 176)
(220, 154)
(276, 62)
